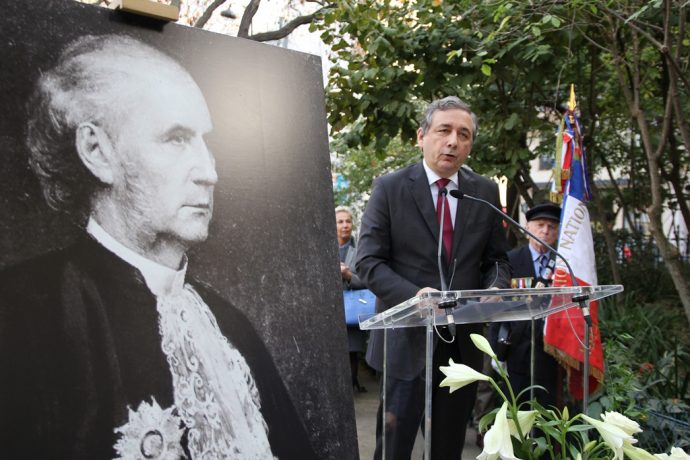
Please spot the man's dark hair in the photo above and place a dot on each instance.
(448, 103)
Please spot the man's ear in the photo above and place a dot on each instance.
(95, 151)
(420, 137)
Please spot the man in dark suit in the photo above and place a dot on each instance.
(530, 261)
(108, 348)
(396, 259)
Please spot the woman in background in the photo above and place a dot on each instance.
(356, 338)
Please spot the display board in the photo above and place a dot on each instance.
(269, 255)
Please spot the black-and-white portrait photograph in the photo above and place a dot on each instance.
(169, 285)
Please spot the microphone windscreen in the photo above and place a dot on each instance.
(457, 194)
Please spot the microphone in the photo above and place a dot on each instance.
(446, 304)
(460, 195)
(581, 299)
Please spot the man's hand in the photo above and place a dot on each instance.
(491, 298)
(345, 272)
(425, 290)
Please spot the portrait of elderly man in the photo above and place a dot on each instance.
(108, 349)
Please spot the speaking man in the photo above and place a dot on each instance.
(108, 348)
(397, 260)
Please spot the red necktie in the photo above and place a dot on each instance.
(447, 221)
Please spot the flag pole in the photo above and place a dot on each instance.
(582, 300)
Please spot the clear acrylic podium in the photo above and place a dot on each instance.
(478, 306)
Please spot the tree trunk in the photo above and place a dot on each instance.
(632, 97)
(619, 194)
(681, 123)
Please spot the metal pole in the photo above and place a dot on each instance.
(384, 428)
(585, 373)
(531, 362)
(427, 386)
(583, 300)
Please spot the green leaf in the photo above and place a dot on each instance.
(503, 23)
(550, 431)
(572, 449)
(578, 428)
(487, 419)
(453, 54)
(541, 446)
(511, 121)
(486, 69)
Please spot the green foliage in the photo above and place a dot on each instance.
(642, 273)
(647, 360)
(512, 61)
(391, 57)
(359, 167)
(621, 381)
(647, 348)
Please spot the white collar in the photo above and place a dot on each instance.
(160, 279)
(432, 177)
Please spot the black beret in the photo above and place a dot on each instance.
(544, 211)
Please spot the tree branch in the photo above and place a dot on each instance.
(247, 18)
(285, 30)
(203, 19)
(663, 47)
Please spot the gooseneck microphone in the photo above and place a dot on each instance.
(585, 308)
(446, 304)
(460, 195)
(580, 299)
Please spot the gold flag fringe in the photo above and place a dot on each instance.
(568, 362)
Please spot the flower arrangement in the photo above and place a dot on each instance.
(547, 433)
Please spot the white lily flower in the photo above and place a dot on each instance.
(612, 435)
(635, 453)
(621, 421)
(497, 443)
(459, 375)
(676, 454)
(526, 420)
(483, 344)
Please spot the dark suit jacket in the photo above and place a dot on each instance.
(79, 343)
(396, 257)
(521, 261)
(518, 357)
(520, 350)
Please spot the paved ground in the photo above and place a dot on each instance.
(365, 413)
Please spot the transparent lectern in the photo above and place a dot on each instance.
(480, 306)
